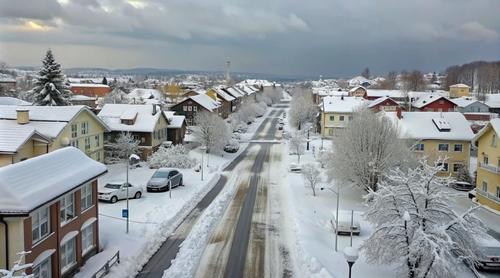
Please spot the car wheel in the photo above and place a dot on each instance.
(114, 199)
(180, 183)
(137, 195)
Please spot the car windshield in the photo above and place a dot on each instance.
(161, 175)
(113, 186)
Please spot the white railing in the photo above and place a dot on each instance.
(489, 167)
(488, 195)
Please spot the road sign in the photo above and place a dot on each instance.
(125, 213)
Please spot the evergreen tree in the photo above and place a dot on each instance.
(50, 89)
(104, 81)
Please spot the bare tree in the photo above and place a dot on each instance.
(366, 149)
(413, 81)
(312, 176)
(297, 142)
(302, 109)
(211, 131)
(416, 227)
(366, 73)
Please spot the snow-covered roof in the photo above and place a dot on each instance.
(247, 89)
(355, 88)
(14, 137)
(426, 100)
(379, 101)
(12, 101)
(358, 80)
(82, 98)
(342, 104)
(206, 102)
(174, 121)
(48, 129)
(145, 121)
(26, 185)
(140, 93)
(42, 113)
(422, 125)
(493, 100)
(464, 101)
(322, 92)
(384, 93)
(493, 123)
(88, 85)
(222, 93)
(460, 85)
(258, 82)
(6, 78)
(234, 92)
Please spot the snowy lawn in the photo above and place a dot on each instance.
(154, 216)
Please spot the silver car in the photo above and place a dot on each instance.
(163, 179)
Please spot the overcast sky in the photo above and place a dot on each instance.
(304, 37)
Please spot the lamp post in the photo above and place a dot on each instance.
(351, 255)
(202, 151)
(308, 138)
(129, 156)
(336, 214)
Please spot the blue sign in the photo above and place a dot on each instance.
(125, 213)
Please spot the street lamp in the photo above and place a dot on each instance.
(203, 148)
(308, 138)
(336, 214)
(351, 255)
(129, 158)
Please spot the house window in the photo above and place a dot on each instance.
(97, 141)
(457, 166)
(330, 131)
(458, 147)
(43, 269)
(87, 238)
(85, 128)
(485, 186)
(40, 226)
(494, 141)
(419, 147)
(74, 130)
(67, 208)
(190, 108)
(195, 108)
(98, 156)
(485, 160)
(350, 118)
(443, 147)
(444, 167)
(86, 194)
(332, 118)
(68, 255)
(184, 108)
(87, 143)
(341, 118)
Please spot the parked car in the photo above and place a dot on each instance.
(232, 146)
(490, 258)
(117, 190)
(472, 194)
(345, 227)
(163, 179)
(295, 168)
(462, 186)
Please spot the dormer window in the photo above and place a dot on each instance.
(128, 117)
(442, 124)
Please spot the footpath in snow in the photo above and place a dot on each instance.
(154, 216)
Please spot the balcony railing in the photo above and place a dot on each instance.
(488, 195)
(489, 167)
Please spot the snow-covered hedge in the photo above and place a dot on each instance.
(172, 157)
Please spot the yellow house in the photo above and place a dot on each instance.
(336, 112)
(488, 166)
(459, 90)
(62, 125)
(437, 136)
(18, 143)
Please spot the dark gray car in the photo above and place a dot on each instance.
(161, 179)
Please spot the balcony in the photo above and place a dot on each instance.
(488, 195)
(491, 168)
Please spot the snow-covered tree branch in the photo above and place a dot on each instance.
(211, 131)
(297, 144)
(18, 270)
(175, 157)
(415, 224)
(366, 149)
(311, 175)
(124, 145)
(302, 109)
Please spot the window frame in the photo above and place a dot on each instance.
(74, 130)
(65, 266)
(66, 208)
(86, 194)
(88, 235)
(341, 118)
(443, 144)
(446, 167)
(332, 118)
(457, 165)
(85, 127)
(455, 148)
(417, 149)
(37, 213)
(45, 263)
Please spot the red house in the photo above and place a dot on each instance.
(384, 104)
(434, 103)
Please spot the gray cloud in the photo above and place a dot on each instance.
(284, 36)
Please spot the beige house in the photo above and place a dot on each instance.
(75, 126)
(336, 112)
(459, 90)
(18, 143)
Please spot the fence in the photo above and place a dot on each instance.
(107, 266)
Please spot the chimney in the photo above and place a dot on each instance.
(398, 112)
(154, 109)
(23, 116)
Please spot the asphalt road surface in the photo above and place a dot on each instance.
(240, 229)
